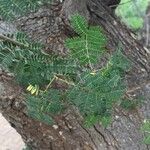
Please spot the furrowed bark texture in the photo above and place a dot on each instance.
(50, 25)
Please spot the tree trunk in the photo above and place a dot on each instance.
(50, 25)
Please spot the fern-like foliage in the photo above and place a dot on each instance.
(97, 96)
(89, 45)
(44, 106)
(93, 92)
(119, 62)
(29, 64)
(96, 93)
(9, 9)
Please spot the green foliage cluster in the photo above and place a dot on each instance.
(96, 93)
(46, 104)
(89, 45)
(132, 12)
(9, 9)
(146, 129)
(29, 63)
(93, 92)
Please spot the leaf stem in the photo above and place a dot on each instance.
(87, 50)
(5, 38)
(50, 83)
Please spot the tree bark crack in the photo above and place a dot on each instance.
(90, 136)
(103, 136)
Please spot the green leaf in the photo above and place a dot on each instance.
(95, 95)
(146, 129)
(88, 47)
(146, 126)
(119, 61)
(147, 140)
(106, 121)
(79, 24)
(45, 105)
(90, 120)
(9, 9)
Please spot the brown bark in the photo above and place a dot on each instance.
(49, 26)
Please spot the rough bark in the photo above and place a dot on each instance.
(50, 25)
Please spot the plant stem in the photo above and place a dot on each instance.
(50, 83)
(5, 38)
(65, 81)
